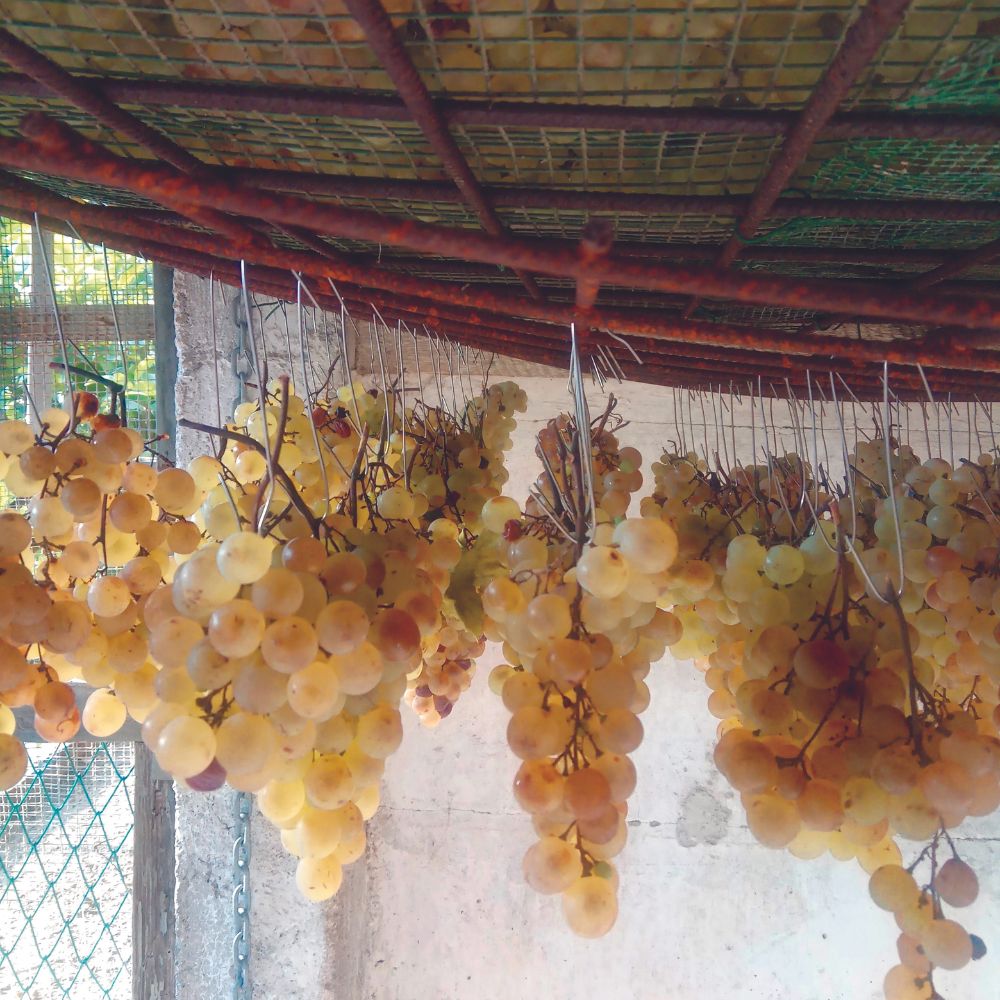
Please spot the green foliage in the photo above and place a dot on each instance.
(15, 262)
(80, 277)
(78, 271)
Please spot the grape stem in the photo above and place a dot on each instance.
(104, 529)
(352, 501)
(914, 718)
(300, 505)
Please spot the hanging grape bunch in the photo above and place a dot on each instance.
(857, 704)
(72, 572)
(460, 466)
(573, 600)
(290, 648)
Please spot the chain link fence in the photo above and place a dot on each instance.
(66, 874)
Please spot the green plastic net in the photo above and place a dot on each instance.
(912, 168)
(66, 875)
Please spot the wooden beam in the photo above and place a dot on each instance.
(153, 882)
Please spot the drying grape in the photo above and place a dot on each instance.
(590, 906)
(551, 865)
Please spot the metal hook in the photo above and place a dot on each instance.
(70, 400)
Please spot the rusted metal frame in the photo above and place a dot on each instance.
(863, 39)
(595, 243)
(622, 202)
(724, 364)
(333, 103)
(79, 93)
(510, 330)
(646, 303)
(395, 60)
(518, 310)
(690, 252)
(959, 264)
(62, 152)
(683, 373)
(83, 95)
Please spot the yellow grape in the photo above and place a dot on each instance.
(341, 627)
(185, 746)
(236, 629)
(329, 783)
(314, 691)
(289, 644)
(13, 758)
(947, 944)
(244, 743)
(279, 592)
(103, 714)
(319, 879)
(551, 865)
(244, 557)
(590, 906)
(380, 731)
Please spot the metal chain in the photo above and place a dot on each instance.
(241, 898)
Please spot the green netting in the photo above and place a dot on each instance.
(28, 343)
(78, 272)
(66, 828)
(66, 875)
(911, 168)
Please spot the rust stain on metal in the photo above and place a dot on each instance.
(213, 95)
(62, 152)
(392, 54)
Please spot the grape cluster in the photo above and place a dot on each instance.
(445, 674)
(580, 629)
(857, 705)
(71, 573)
(299, 665)
(261, 611)
(460, 467)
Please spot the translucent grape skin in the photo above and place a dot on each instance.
(590, 906)
(552, 865)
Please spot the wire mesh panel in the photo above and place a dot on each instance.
(66, 828)
(31, 371)
(66, 874)
(713, 54)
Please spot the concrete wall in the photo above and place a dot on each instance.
(437, 910)
(210, 369)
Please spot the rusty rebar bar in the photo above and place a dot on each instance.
(863, 40)
(212, 95)
(510, 315)
(958, 264)
(62, 152)
(623, 202)
(395, 60)
(595, 243)
(668, 364)
(688, 252)
(83, 95)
